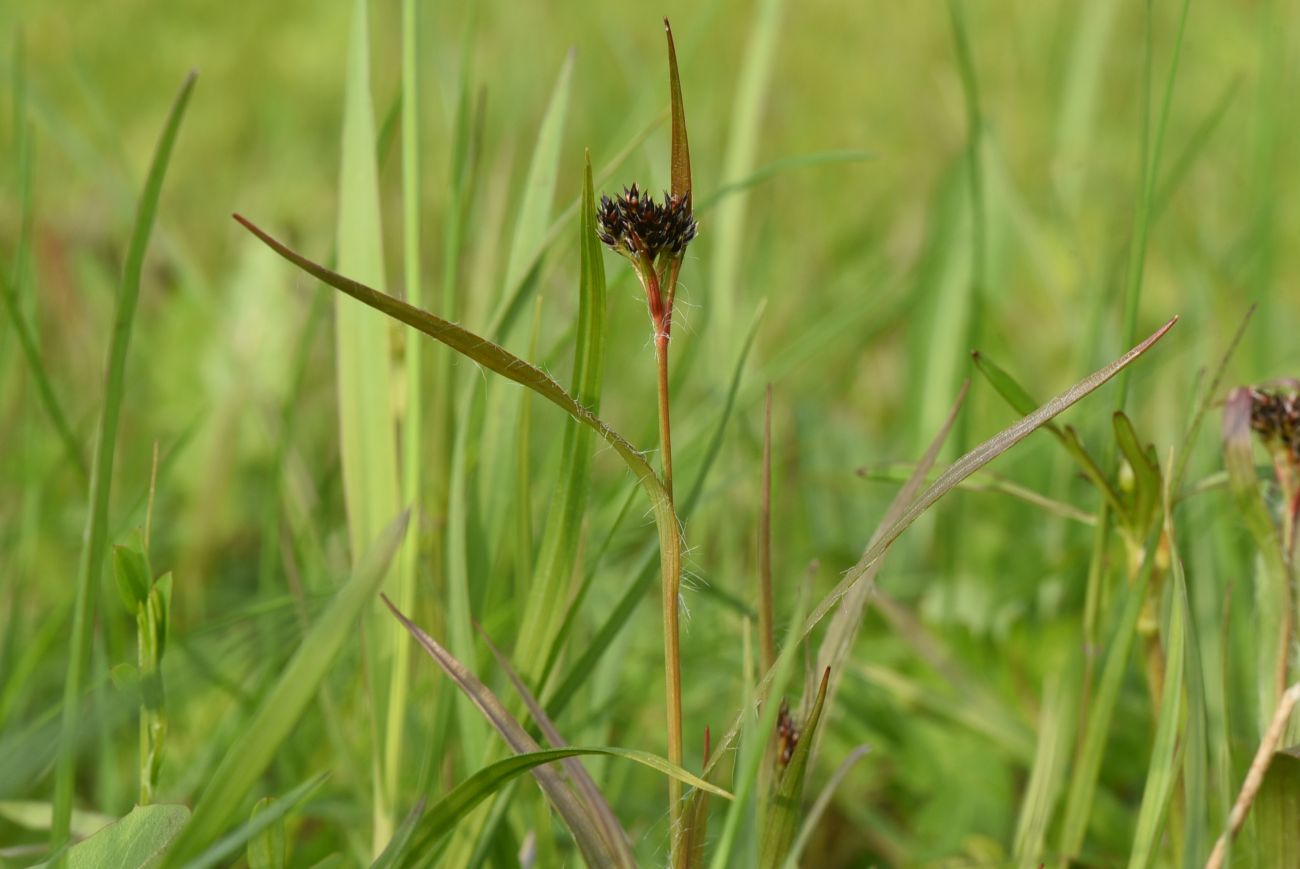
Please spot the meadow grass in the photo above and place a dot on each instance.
(373, 589)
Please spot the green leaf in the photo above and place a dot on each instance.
(396, 849)
(101, 475)
(136, 841)
(959, 471)
(819, 807)
(681, 152)
(132, 573)
(452, 808)
(272, 815)
(1162, 773)
(362, 338)
(781, 813)
(160, 598)
(266, 850)
(1146, 472)
(282, 707)
(1022, 402)
(580, 820)
(1083, 778)
(549, 593)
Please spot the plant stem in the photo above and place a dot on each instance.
(661, 317)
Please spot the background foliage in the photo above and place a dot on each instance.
(864, 260)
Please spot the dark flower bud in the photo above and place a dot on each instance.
(635, 225)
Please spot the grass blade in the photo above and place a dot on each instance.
(251, 753)
(781, 814)
(413, 443)
(1083, 778)
(580, 820)
(282, 806)
(950, 479)
(101, 472)
(549, 593)
(820, 805)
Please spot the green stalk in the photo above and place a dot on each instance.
(101, 474)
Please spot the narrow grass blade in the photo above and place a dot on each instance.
(681, 150)
(838, 641)
(728, 223)
(266, 849)
(534, 211)
(1056, 724)
(820, 805)
(262, 821)
(1149, 166)
(1022, 402)
(951, 478)
(1083, 778)
(260, 739)
(396, 849)
(578, 818)
(1162, 773)
(480, 350)
(101, 474)
(549, 592)
(781, 812)
(751, 757)
(596, 802)
(413, 443)
(447, 812)
(367, 445)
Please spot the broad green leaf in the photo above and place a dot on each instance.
(782, 809)
(283, 705)
(101, 473)
(137, 841)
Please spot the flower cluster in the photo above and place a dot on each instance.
(1275, 416)
(637, 226)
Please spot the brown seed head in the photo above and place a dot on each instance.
(635, 225)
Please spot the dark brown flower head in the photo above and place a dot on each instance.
(635, 225)
(1275, 416)
(787, 735)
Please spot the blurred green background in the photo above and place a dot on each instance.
(864, 261)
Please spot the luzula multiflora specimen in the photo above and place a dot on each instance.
(653, 236)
